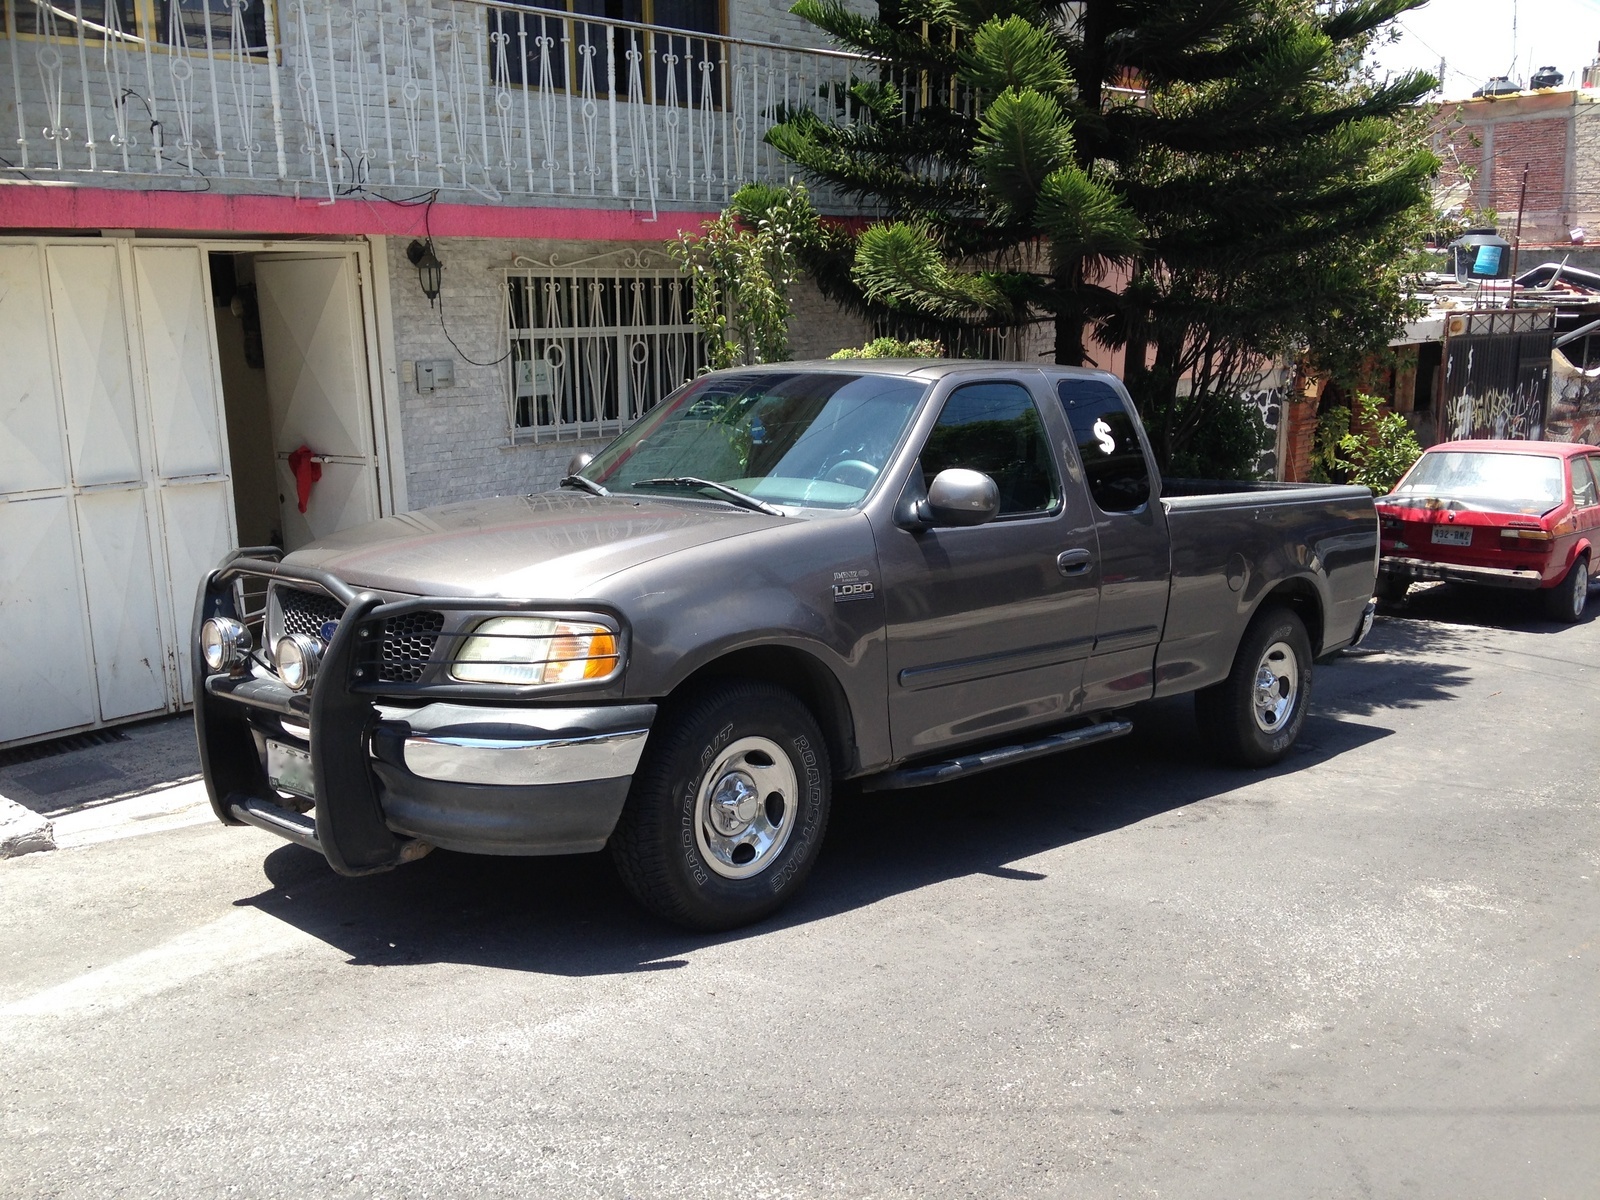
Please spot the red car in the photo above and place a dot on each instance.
(1500, 514)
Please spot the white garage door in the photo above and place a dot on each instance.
(114, 492)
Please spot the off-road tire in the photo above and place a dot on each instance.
(1566, 601)
(1227, 712)
(658, 853)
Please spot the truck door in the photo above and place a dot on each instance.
(989, 626)
(1131, 525)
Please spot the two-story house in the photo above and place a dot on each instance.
(420, 239)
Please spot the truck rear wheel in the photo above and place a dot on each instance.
(727, 808)
(1253, 717)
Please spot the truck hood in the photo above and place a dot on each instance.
(553, 545)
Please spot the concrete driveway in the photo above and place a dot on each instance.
(1125, 972)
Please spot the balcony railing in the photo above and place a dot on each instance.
(323, 98)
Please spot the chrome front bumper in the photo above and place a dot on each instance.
(512, 747)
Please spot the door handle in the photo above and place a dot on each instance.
(1073, 562)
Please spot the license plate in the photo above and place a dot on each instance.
(1452, 535)
(289, 770)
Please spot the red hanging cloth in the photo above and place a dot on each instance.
(306, 472)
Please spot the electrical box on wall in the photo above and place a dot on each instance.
(435, 373)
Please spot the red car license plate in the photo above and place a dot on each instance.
(1451, 535)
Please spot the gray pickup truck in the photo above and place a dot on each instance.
(783, 577)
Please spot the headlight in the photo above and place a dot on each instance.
(224, 643)
(298, 656)
(533, 650)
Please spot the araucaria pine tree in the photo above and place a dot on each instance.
(1210, 184)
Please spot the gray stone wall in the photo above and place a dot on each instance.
(457, 440)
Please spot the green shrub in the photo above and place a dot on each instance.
(888, 347)
(1377, 458)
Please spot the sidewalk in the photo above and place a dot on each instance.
(88, 788)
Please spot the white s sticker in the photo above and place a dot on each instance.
(1102, 434)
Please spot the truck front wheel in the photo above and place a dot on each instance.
(728, 806)
(1253, 717)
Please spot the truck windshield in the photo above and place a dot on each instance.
(1519, 483)
(808, 439)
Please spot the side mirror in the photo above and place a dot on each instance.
(578, 462)
(961, 497)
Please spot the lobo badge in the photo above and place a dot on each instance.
(852, 585)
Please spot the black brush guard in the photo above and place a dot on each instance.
(349, 829)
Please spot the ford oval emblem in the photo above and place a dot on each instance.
(326, 632)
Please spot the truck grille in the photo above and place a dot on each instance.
(407, 643)
(307, 612)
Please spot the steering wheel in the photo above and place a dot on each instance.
(852, 472)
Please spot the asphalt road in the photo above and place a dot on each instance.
(1371, 971)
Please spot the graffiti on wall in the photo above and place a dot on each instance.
(1496, 387)
(1574, 402)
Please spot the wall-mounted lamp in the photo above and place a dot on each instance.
(430, 271)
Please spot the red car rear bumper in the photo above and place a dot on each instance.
(1415, 568)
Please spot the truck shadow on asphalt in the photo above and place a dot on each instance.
(571, 917)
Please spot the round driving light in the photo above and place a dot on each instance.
(224, 643)
(298, 656)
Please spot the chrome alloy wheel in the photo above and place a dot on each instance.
(1277, 687)
(746, 807)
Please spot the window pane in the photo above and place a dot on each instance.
(1108, 444)
(532, 42)
(995, 428)
(1583, 483)
(184, 22)
(811, 439)
(62, 18)
(1484, 480)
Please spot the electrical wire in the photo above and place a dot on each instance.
(427, 228)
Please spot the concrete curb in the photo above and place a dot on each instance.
(23, 831)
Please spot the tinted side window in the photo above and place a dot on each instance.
(995, 428)
(1108, 444)
(1583, 483)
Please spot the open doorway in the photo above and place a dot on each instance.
(242, 365)
(292, 352)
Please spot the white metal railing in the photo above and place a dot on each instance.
(341, 96)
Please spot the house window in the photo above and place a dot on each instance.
(241, 30)
(592, 352)
(545, 45)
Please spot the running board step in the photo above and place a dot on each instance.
(1000, 756)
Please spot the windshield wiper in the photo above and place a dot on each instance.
(732, 495)
(588, 485)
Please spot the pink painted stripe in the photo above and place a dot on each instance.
(59, 206)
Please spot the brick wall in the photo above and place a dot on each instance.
(1489, 142)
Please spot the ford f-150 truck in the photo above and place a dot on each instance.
(781, 578)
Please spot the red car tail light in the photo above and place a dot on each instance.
(1528, 535)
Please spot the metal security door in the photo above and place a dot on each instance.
(114, 488)
(107, 461)
(194, 498)
(44, 637)
(314, 341)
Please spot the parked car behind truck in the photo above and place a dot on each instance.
(783, 577)
(1498, 514)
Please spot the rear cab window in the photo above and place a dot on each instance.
(1108, 445)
